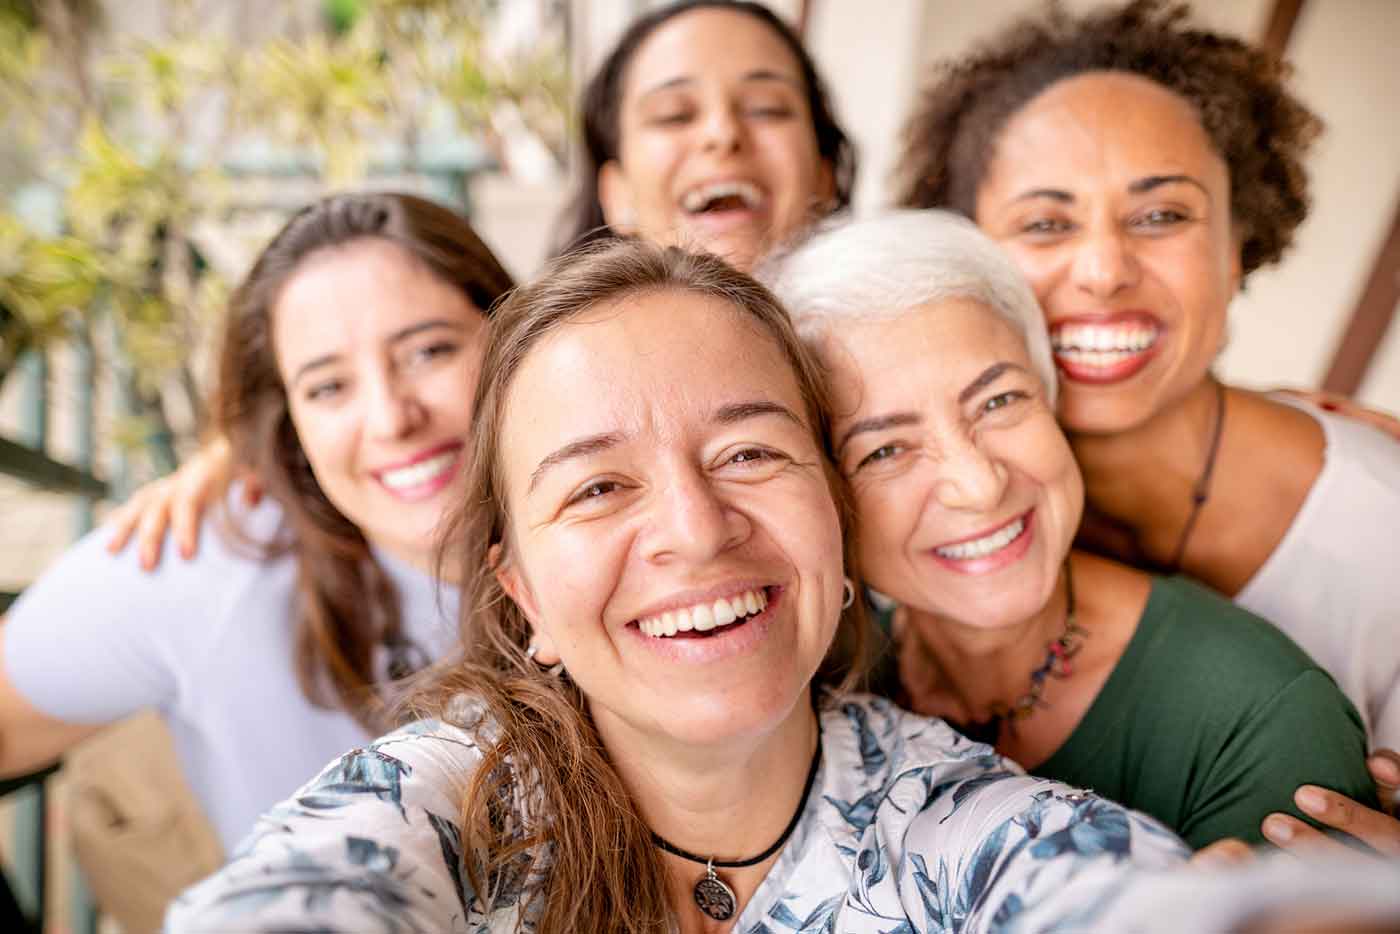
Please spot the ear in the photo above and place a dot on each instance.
(616, 199)
(517, 588)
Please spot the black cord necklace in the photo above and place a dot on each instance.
(1201, 492)
(712, 894)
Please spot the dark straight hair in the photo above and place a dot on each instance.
(600, 106)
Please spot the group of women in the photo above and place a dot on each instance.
(661, 522)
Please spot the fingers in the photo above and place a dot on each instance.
(154, 521)
(1385, 769)
(184, 523)
(1379, 831)
(122, 522)
(1290, 834)
(1221, 853)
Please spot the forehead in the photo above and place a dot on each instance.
(708, 44)
(361, 291)
(879, 361)
(1105, 121)
(655, 362)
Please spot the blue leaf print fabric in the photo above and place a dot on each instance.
(910, 828)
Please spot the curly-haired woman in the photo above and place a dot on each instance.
(1139, 170)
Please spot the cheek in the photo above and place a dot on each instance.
(1038, 266)
(886, 515)
(324, 439)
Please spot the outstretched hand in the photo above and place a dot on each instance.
(176, 505)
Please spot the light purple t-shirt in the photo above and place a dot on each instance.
(209, 643)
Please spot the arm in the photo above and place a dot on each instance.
(30, 739)
(371, 844)
(177, 504)
(1024, 854)
(1307, 733)
(1348, 408)
(93, 640)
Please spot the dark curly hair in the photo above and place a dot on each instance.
(1260, 129)
(583, 220)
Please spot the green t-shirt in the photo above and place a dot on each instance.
(1211, 720)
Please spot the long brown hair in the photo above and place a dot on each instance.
(583, 842)
(599, 107)
(347, 604)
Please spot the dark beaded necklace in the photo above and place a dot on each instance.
(1058, 664)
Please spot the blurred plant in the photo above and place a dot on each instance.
(126, 139)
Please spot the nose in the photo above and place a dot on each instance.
(691, 520)
(970, 477)
(722, 129)
(1104, 262)
(394, 409)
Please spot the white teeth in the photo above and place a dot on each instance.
(988, 544)
(703, 617)
(1100, 345)
(421, 472)
(702, 196)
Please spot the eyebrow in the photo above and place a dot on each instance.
(878, 423)
(758, 74)
(988, 376)
(1143, 185)
(1137, 187)
(741, 411)
(595, 444)
(394, 338)
(583, 447)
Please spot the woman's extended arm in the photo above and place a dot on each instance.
(177, 505)
(371, 844)
(29, 738)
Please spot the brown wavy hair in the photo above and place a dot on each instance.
(347, 605)
(1238, 91)
(600, 130)
(584, 840)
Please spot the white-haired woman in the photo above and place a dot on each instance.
(1151, 690)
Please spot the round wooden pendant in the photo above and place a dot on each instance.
(714, 897)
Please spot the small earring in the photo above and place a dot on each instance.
(554, 670)
(850, 589)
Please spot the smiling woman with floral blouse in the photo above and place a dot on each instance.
(649, 727)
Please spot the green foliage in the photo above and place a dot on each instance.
(129, 139)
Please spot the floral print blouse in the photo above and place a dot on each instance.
(909, 827)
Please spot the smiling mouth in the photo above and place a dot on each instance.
(1103, 351)
(722, 197)
(985, 546)
(702, 620)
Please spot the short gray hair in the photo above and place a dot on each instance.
(887, 265)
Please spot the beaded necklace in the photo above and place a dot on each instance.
(1058, 664)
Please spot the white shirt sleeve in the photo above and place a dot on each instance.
(97, 638)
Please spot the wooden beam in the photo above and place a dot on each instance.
(38, 469)
(1371, 319)
(1282, 19)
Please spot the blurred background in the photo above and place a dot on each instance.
(151, 146)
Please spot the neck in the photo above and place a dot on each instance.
(729, 803)
(1143, 479)
(984, 668)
